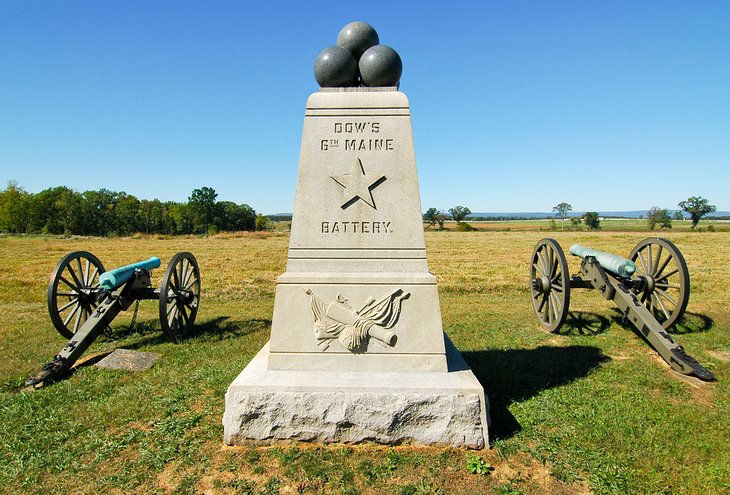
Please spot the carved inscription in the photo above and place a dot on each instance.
(347, 138)
(354, 328)
(356, 228)
(357, 185)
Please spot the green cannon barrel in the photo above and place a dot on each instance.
(114, 278)
(614, 264)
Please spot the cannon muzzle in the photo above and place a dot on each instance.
(611, 262)
(115, 278)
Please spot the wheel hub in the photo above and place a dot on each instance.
(541, 285)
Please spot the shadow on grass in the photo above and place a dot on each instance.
(515, 375)
(584, 323)
(688, 324)
(219, 328)
(216, 328)
(223, 328)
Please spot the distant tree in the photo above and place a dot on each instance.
(233, 217)
(562, 210)
(151, 216)
(678, 215)
(125, 214)
(434, 216)
(263, 222)
(575, 221)
(590, 218)
(202, 204)
(98, 213)
(459, 213)
(658, 216)
(697, 207)
(14, 209)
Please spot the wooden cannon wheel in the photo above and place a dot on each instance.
(665, 287)
(72, 291)
(550, 284)
(179, 296)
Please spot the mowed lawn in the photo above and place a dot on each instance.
(592, 409)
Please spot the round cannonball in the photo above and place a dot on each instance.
(335, 67)
(380, 65)
(357, 37)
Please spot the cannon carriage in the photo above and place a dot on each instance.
(83, 299)
(650, 287)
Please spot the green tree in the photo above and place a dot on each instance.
(658, 216)
(233, 217)
(697, 207)
(590, 218)
(151, 216)
(433, 217)
(263, 222)
(562, 210)
(678, 215)
(126, 209)
(98, 211)
(202, 204)
(14, 209)
(459, 213)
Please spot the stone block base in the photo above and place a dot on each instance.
(392, 407)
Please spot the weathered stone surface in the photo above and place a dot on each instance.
(437, 408)
(357, 235)
(357, 349)
(124, 359)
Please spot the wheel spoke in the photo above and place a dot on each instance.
(665, 277)
(649, 259)
(68, 305)
(643, 263)
(657, 259)
(661, 305)
(192, 282)
(536, 266)
(541, 258)
(664, 264)
(666, 296)
(667, 285)
(71, 315)
(76, 278)
(72, 286)
(92, 276)
(77, 320)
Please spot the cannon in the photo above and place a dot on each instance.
(83, 299)
(651, 288)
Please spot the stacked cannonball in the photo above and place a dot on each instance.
(357, 59)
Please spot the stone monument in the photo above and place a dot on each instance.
(357, 350)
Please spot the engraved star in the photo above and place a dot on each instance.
(358, 185)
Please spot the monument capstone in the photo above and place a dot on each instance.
(357, 349)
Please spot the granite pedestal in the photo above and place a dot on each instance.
(357, 349)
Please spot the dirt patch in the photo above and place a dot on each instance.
(721, 355)
(253, 467)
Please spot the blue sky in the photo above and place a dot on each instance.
(516, 105)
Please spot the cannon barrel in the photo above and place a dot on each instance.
(611, 262)
(114, 278)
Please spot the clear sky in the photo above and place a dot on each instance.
(516, 105)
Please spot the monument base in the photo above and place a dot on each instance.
(391, 407)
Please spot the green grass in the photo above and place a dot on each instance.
(592, 409)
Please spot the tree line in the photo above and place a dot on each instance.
(61, 210)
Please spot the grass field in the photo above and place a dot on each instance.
(592, 409)
(607, 225)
